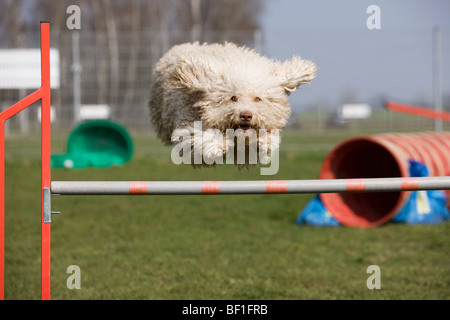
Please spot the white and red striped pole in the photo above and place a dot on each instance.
(249, 187)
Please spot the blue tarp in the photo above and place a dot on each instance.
(423, 207)
(316, 214)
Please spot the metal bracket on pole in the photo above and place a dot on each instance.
(47, 205)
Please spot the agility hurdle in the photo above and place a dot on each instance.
(49, 188)
(248, 187)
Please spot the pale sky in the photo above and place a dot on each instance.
(395, 61)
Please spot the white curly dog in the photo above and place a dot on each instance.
(203, 96)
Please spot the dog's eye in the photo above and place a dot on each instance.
(234, 98)
(257, 99)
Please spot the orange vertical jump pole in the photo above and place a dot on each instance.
(45, 157)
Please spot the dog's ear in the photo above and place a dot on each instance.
(192, 75)
(295, 72)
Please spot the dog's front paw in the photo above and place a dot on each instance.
(264, 158)
(264, 153)
(213, 151)
(268, 144)
(213, 154)
(212, 147)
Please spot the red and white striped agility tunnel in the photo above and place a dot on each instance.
(379, 156)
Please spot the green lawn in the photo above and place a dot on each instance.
(211, 247)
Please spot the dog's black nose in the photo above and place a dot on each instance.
(246, 116)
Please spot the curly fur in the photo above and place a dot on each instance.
(214, 83)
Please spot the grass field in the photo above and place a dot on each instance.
(211, 247)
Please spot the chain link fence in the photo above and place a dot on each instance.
(98, 73)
